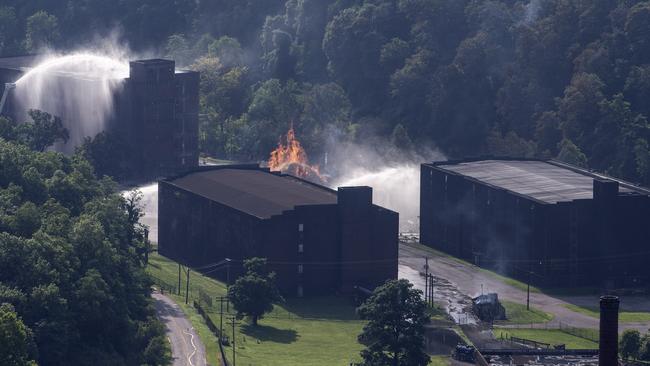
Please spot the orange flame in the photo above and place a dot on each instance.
(292, 159)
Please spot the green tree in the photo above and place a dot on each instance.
(228, 50)
(630, 343)
(644, 351)
(8, 31)
(42, 131)
(42, 31)
(254, 293)
(15, 339)
(571, 154)
(71, 264)
(400, 138)
(396, 317)
(177, 48)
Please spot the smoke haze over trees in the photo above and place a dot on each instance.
(564, 79)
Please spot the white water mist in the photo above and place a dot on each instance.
(394, 187)
(78, 87)
(393, 173)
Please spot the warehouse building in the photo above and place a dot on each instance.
(546, 221)
(317, 240)
(155, 111)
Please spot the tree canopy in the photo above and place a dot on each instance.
(72, 283)
(254, 293)
(396, 317)
(565, 79)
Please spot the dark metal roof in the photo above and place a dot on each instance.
(254, 191)
(544, 181)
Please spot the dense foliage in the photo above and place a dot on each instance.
(634, 346)
(72, 285)
(396, 317)
(566, 79)
(254, 293)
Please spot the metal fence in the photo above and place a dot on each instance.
(584, 333)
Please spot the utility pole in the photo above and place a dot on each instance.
(431, 288)
(187, 289)
(221, 317)
(228, 272)
(530, 272)
(179, 279)
(234, 362)
(426, 279)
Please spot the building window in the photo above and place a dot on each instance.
(299, 291)
(301, 227)
(300, 269)
(300, 248)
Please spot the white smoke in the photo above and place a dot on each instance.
(394, 187)
(532, 10)
(393, 174)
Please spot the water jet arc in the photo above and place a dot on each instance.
(3, 101)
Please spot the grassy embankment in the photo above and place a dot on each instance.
(518, 314)
(321, 331)
(623, 316)
(440, 361)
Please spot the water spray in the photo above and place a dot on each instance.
(79, 88)
(8, 87)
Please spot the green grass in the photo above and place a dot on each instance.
(440, 361)
(322, 331)
(517, 314)
(623, 316)
(551, 336)
(507, 280)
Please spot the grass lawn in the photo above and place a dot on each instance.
(440, 361)
(623, 316)
(517, 314)
(314, 331)
(551, 336)
(507, 280)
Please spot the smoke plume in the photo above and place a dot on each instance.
(393, 173)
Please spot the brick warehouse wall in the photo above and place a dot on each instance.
(584, 241)
(311, 248)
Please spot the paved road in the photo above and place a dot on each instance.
(468, 279)
(187, 348)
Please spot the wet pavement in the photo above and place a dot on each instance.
(469, 281)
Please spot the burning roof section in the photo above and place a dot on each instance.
(544, 181)
(254, 190)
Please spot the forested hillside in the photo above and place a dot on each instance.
(72, 285)
(566, 79)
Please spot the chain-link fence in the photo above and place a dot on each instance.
(584, 333)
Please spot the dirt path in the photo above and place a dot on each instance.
(469, 279)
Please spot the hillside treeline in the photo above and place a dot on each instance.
(73, 290)
(566, 79)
